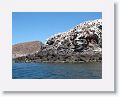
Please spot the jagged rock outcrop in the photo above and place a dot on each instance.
(82, 43)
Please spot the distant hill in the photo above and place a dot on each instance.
(27, 48)
(83, 43)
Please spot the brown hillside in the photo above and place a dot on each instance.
(23, 49)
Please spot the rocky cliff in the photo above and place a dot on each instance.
(83, 43)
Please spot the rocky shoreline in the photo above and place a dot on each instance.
(83, 43)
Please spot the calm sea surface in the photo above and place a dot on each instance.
(56, 71)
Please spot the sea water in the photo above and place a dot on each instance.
(57, 71)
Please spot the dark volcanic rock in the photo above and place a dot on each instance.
(82, 43)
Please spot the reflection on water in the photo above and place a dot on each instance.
(56, 71)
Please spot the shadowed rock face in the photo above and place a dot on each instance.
(82, 43)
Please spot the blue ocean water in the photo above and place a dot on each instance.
(56, 71)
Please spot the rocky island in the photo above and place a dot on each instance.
(83, 43)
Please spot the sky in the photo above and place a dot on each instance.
(38, 26)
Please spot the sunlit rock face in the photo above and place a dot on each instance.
(84, 40)
(83, 43)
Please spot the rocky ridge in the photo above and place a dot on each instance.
(83, 43)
